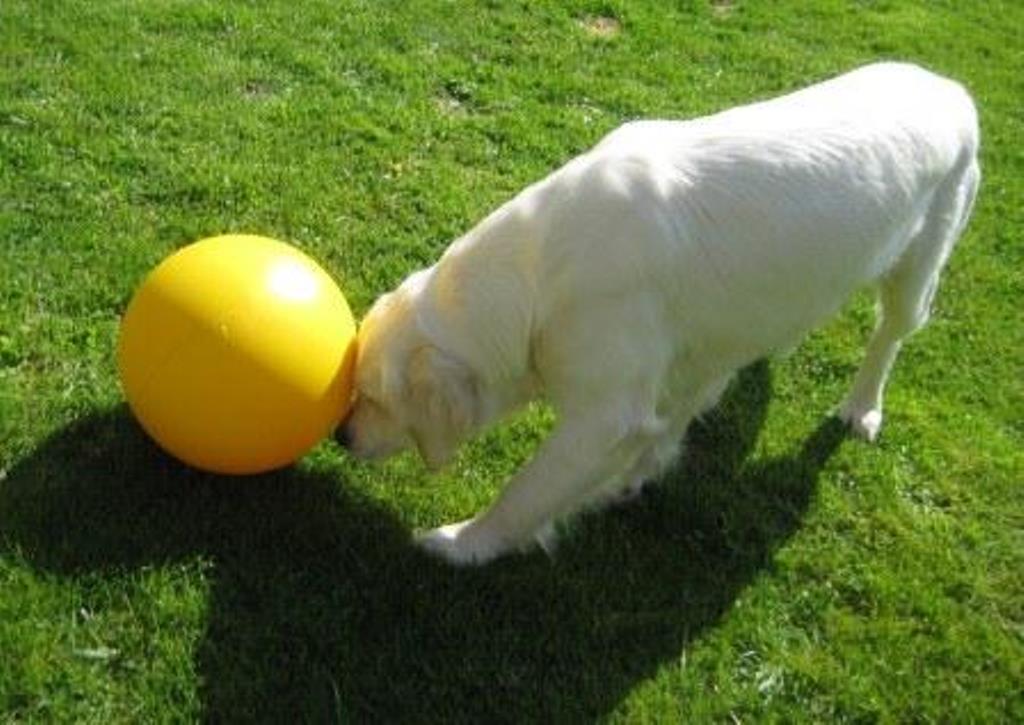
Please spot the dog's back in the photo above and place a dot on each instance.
(760, 221)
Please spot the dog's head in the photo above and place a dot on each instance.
(408, 391)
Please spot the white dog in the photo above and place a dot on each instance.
(628, 286)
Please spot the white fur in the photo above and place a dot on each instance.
(629, 285)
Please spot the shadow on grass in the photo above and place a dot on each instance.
(321, 610)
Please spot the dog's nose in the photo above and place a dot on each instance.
(343, 436)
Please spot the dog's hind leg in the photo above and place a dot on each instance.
(905, 296)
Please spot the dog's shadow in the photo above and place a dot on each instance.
(321, 610)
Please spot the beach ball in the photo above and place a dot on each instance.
(236, 354)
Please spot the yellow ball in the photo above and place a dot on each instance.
(236, 354)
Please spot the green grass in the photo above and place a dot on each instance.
(780, 573)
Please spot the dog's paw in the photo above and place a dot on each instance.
(864, 421)
(546, 537)
(459, 544)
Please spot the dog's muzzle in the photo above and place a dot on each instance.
(343, 436)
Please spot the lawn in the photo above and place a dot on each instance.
(781, 572)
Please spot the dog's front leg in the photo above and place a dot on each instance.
(582, 453)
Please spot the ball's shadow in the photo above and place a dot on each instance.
(321, 610)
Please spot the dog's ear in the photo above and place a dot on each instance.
(444, 393)
(392, 381)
